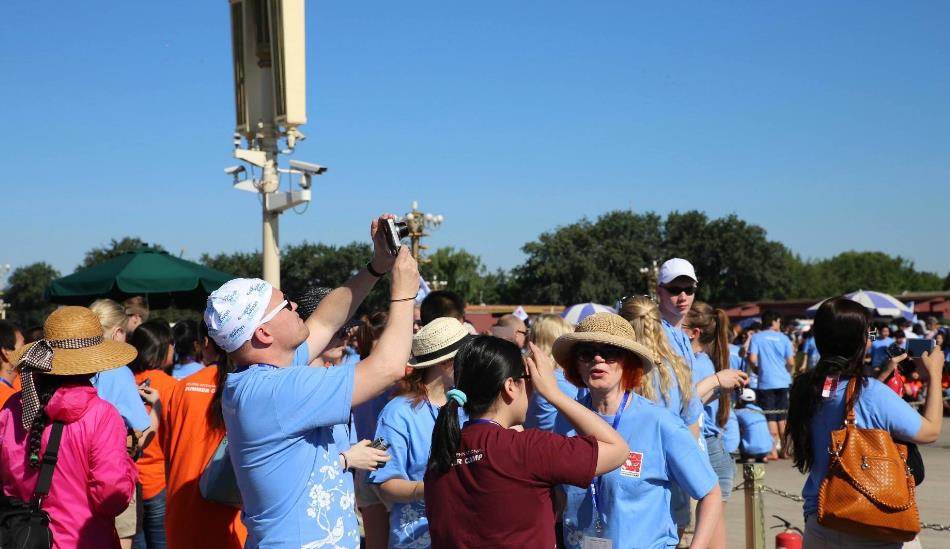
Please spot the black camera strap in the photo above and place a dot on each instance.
(48, 464)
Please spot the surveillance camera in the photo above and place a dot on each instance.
(234, 170)
(307, 167)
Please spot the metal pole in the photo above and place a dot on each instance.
(270, 248)
(753, 475)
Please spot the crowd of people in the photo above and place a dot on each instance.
(280, 421)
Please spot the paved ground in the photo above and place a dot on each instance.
(933, 497)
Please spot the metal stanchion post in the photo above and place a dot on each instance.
(753, 475)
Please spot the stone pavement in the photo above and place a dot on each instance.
(933, 497)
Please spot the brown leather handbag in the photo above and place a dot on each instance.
(869, 489)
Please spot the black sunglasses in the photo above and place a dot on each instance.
(677, 290)
(609, 353)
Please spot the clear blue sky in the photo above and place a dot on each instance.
(824, 122)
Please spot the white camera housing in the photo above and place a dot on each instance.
(234, 170)
(308, 168)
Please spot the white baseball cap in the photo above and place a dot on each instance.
(236, 309)
(674, 268)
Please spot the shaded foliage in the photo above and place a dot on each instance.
(25, 293)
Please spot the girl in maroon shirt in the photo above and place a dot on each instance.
(489, 483)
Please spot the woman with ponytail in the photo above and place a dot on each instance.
(192, 429)
(816, 408)
(406, 424)
(489, 485)
(708, 332)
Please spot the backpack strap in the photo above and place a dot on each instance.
(48, 464)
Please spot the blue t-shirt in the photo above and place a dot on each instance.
(811, 352)
(730, 435)
(879, 351)
(634, 499)
(702, 368)
(754, 430)
(408, 430)
(541, 414)
(117, 387)
(280, 436)
(878, 407)
(682, 347)
(735, 361)
(772, 348)
(181, 371)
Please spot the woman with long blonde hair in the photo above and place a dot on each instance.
(544, 330)
(670, 384)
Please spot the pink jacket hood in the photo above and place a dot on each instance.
(69, 404)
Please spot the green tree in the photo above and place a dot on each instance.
(734, 260)
(587, 261)
(462, 272)
(115, 248)
(26, 294)
(240, 264)
(852, 270)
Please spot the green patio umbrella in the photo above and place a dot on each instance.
(163, 279)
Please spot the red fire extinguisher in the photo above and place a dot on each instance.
(791, 538)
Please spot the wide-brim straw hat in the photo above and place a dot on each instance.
(76, 338)
(437, 341)
(604, 328)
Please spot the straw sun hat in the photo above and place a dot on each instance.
(74, 338)
(604, 328)
(437, 341)
(72, 344)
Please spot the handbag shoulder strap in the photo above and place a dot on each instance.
(48, 464)
(849, 401)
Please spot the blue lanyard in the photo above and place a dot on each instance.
(480, 421)
(596, 484)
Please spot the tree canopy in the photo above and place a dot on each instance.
(598, 260)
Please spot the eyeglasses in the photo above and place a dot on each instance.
(677, 290)
(285, 304)
(609, 353)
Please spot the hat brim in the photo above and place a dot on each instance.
(88, 360)
(563, 348)
(435, 357)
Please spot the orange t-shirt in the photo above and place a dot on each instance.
(6, 391)
(151, 465)
(189, 441)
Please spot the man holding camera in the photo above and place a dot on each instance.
(279, 414)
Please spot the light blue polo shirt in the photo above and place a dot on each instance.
(408, 430)
(541, 414)
(811, 352)
(702, 368)
(117, 387)
(634, 499)
(181, 371)
(879, 351)
(771, 348)
(731, 437)
(280, 435)
(753, 430)
(878, 407)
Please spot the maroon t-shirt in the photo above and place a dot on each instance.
(498, 494)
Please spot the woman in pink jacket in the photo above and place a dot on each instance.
(94, 477)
